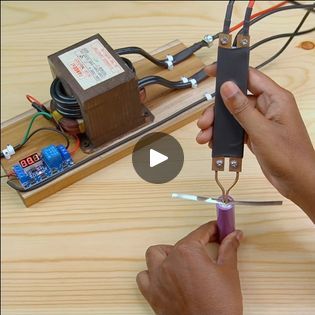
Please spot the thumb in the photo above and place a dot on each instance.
(241, 107)
(227, 254)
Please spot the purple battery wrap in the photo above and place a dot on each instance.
(225, 218)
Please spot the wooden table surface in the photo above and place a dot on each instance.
(78, 252)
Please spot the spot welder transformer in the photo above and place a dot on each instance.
(94, 84)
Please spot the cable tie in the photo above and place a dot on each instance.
(208, 96)
(8, 151)
(184, 80)
(193, 83)
(170, 65)
(170, 58)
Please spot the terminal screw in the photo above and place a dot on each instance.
(224, 40)
(219, 163)
(234, 164)
(244, 42)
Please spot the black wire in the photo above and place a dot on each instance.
(19, 146)
(142, 52)
(66, 105)
(177, 58)
(51, 130)
(228, 15)
(176, 85)
(258, 18)
(268, 39)
(187, 52)
(40, 109)
(288, 41)
(298, 3)
(246, 25)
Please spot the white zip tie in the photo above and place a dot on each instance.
(170, 65)
(208, 96)
(194, 83)
(8, 151)
(169, 62)
(184, 79)
(170, 58)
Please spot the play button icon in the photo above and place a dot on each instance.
(158, 158)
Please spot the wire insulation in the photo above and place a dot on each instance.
(288, 41)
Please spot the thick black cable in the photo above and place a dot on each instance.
(246, 24)
(142, 52)
(177, 58)
(288, 41)
(228, 15)
(260, 17)
(187, 52)
(176, 85)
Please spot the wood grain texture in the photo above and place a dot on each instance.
(78, 252)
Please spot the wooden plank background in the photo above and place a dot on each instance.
(78, 252)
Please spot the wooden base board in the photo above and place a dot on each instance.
(161, 101)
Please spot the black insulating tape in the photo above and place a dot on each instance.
(228, 135)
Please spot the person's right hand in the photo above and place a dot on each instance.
(275, 133)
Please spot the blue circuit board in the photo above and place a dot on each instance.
(37, 168)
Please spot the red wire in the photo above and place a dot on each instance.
(251, 3)
(77, 145)
(32, 99)
(235, 27)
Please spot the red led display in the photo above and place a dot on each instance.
(30, 160)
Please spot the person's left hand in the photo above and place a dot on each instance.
(185, 280)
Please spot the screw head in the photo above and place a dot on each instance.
(208, 39)
(224, 40)
(219, 163)
(234, 163)
(244, 42)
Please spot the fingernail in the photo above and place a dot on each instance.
(229, 89)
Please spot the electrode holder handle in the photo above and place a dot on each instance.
(228, 135)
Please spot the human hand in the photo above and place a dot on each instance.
(184, 279)
(275, 133)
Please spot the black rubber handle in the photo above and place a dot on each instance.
(228, 135)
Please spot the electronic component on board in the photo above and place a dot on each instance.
(36, 168)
